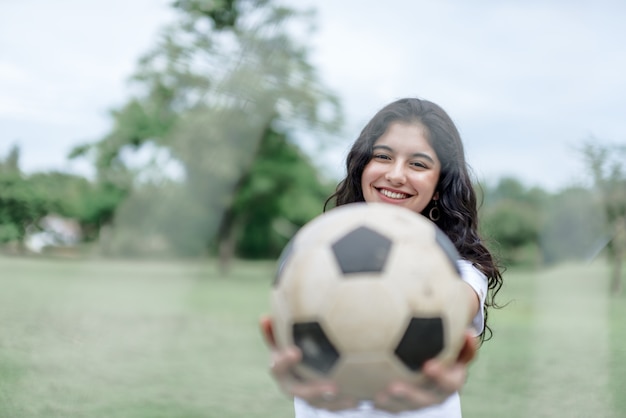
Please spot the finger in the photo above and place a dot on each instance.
(283, 361)
(416, 396)
(322, 393)
(403, 397)
(267, 330)
(319, 393)
(315, 393)
(445, 379)
(331, 401)
(469, 350)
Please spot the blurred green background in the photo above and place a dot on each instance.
(135, 292)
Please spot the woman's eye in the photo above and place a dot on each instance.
(419, 164)
(381, 157)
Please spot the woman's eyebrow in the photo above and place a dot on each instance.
(417, 154)
(385, 147)
(425, 156)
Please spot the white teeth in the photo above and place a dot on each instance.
(394, 195)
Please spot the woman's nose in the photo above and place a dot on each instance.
(396, 174)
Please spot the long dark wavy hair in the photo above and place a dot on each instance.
(457, 199)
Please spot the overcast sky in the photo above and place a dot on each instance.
(525, 81)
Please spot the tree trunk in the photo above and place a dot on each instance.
(105, 239)
(616, 279)
(229, 225)
(619, 246)
(226, 242)
(226, 252)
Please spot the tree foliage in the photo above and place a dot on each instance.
(26, 199)
(512, 220)
(223, 13)
(21, 203)
(239, 76)
(223, 82)
(281, 192)
(73, 196)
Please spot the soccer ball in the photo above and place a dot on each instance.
(369, 292)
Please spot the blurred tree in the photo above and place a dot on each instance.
(11, 163)
(20, 203)
(222, 74)
(607, 166)
(73, 196)
(510, 188)
(20, 206)
(24, 200)
(277, 196)
(223, 13)
(512, 219)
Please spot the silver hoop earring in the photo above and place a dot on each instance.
(434, 214)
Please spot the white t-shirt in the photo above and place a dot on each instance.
(478, 281)
(450, 408)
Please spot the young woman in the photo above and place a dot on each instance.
(410, 154)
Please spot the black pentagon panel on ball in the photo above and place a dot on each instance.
(362, 250)
(448, 248)
(318, 352)
(422, 341)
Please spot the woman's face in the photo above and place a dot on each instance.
(404, 168)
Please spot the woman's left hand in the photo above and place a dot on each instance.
(443, 381)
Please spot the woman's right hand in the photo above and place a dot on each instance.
(318, 393)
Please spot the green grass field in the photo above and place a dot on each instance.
(175, 340)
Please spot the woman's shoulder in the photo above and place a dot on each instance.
(468, 269)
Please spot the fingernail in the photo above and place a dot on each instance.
(397, 392)
(431, 367)
(328, 395)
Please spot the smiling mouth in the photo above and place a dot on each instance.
(393, 195)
